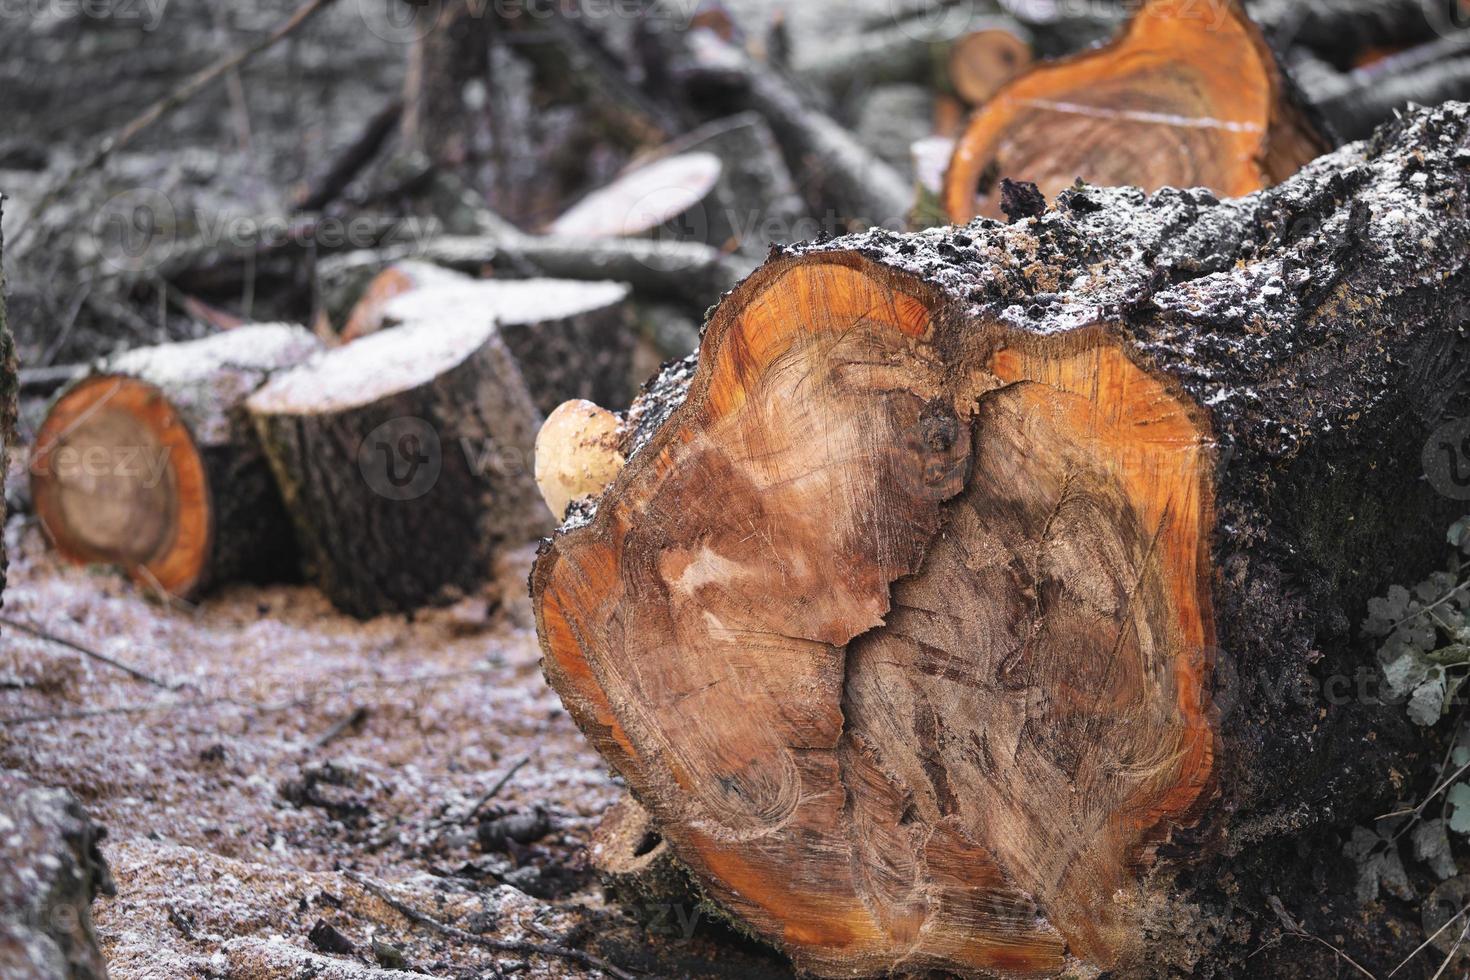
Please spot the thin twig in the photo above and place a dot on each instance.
(1449, 958)
(41, 634)
(1425, 944)
(520, 947)
(494, 791)
(349, 721)
(191, 87)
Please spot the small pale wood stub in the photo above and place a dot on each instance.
(1190, 95)
(899, 627)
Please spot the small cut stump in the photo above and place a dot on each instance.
(404, 460)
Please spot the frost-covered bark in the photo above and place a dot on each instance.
(50, 871)
(1317, 326)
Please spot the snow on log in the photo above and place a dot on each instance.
(911, 617)
(149, 462)
(405, 462)
(570, 339)
(1190, 95)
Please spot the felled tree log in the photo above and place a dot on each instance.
(570, 339)
(1368, 97)
(672, 199)
(366, 315)
(967, 61)
(50, 872)
(404, 461)
(756, 189)
(1189, 95)
(688, 272)
(1343, 29)
(980, 63)
(941, 614)
(836, 170)
(149, 462)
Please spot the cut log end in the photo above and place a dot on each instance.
(647, 199)
(149, 464)
(117, 479)
(1189, 96)
(899, 627)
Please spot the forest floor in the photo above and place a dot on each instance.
(299, 749)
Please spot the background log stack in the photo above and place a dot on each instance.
(902, 616)
(149, 462)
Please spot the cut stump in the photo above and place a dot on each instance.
(902, 617)
(404, 461)
(150, 463)
(1190, 95)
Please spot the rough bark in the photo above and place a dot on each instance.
(149, 462)
(942, 613)
(404, 461)
(1188, 95)
(50, 871)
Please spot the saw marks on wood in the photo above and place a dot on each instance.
(1189, 96)
(897, 627)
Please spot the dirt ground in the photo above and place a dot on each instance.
(299, 749)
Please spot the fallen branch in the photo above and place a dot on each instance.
(41, 634)
(357, 155)
(494, 791)
(498, 945)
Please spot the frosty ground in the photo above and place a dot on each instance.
(299, 748)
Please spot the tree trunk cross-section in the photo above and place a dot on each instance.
(903, 615)
(1190, 95)
(150, 463)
